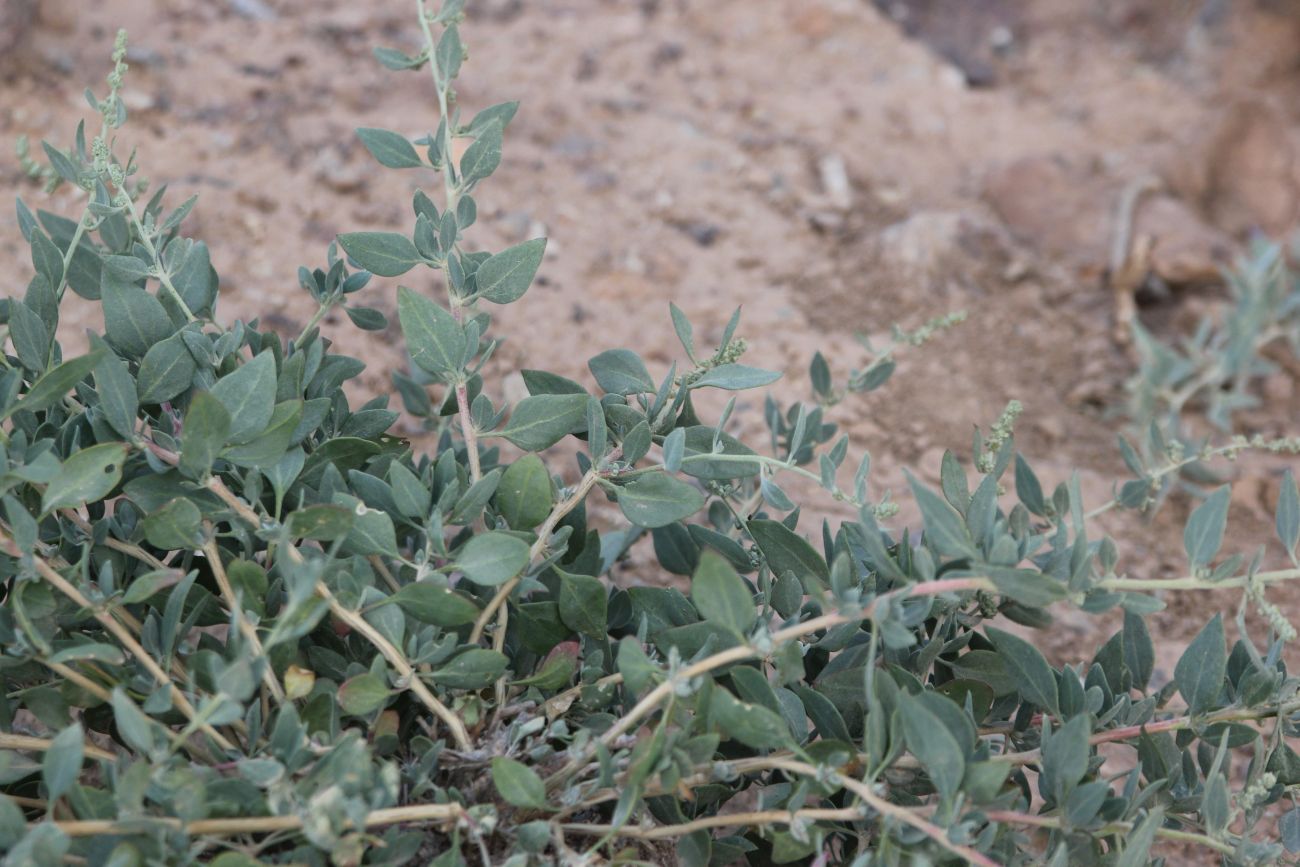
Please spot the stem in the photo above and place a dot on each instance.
(315, 320)
(442, 87)
(213, 554)
(467, 432)
(419, 813)
(163, 277)
(1013, 818)
(761, 817)
(41, 745)
(1191, 582)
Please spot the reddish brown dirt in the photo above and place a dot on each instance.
(685, 150)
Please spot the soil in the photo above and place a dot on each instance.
(834, 166)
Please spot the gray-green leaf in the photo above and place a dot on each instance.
(540, 421)
(1203, 535)
(518, 784)
(658, 499)
(434, 338)
(505, 277)
(720, 594)
(389, 148)
(1200, 670)
(88, 475)
(248, 394)
(387, 254)
(492, 558)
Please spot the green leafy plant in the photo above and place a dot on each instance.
(245, 624)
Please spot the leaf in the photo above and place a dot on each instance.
(787, 551)
(248, 394)
(492, 558)
(473, 669)
(167, 370)
(55, 383)
(267, 449)
(483, 156)
(736, 377)
(372, 530)
(1201, 669)
(323, 522)
(117, 397)
(87, 476)
(1139, 652)
(933, 744)
(106, 653)
(364, 694)
(540, 421)
(390, 149)
(505, 277)
(434, 338)
(674, 449)
(441, 606)
(524, 496)
(751, 724)
(1034, 677)
(176, 526)
(1066, 755)
(720, 594)
(387, 254)
(658, 499)
(944, 528)
(30, 336)
(1203, 535)
(62, 763)
(1288, 514)
(621, 371)
(204, 434)
(584, 604)
(134, 320)
(1288, 829)
(1137, 843)
(518, 784)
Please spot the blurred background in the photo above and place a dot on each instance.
(835, 165)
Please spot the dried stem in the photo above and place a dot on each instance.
(249, 631)
(425, 814)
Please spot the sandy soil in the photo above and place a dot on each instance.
(834, 165)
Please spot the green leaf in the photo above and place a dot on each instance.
(1137, 843)
(524, 496)
(518, 784)
(933, 744)
(117, 397)
(87, 476)
(204, 434)
(483, 156)
(944, 528)
(167, 370)
(1066, 755)
(1201, 669)
(736, 377)
(751, 724)
(1034, 677)
(134, 320)
(1288, 514)
(248, 394)
(323, 522)
(268, 448)
(110, 654)
(30, 336)
(492, 558)
(621, 371)
(434, 338)
(720, 594)
(55, 383)
(583, 604)
(389, 148)
(441, 606)
(372, 530)
(176, 526)
(1139, 651)
(540, 421)
(387, 254)
(62, 763)
(364, 694)
(787, 551)
(448, 55)
(505, 277)
(658, 499)
(473, 669)
(1203, 535)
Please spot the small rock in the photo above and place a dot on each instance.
(835, 181)
(699, 231)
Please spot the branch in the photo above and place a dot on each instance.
(419, 813)
(249, 631)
